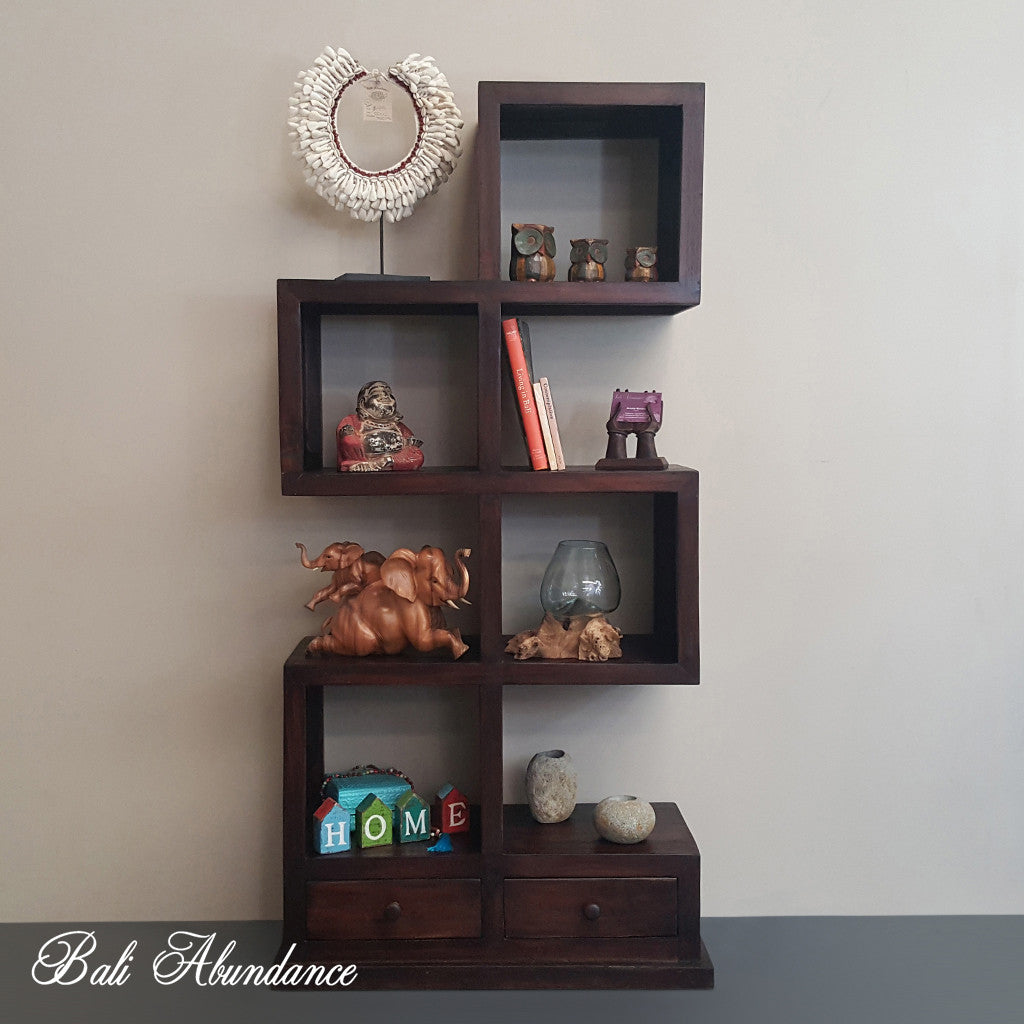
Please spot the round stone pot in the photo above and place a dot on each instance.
(624, 819)
(551, 786)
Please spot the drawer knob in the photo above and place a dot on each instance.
(591, 911)
(393, 911)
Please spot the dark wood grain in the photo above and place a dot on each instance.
(589, 907)
(394, 909)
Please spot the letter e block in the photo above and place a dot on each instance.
(452, 810)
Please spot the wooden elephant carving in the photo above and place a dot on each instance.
(398, 606)
(353, 569)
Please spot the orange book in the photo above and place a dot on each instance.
(524, 393)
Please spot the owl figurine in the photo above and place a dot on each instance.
(642, 263)
(533, 253)
(587, 259)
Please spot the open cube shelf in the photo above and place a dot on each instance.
(663, 123)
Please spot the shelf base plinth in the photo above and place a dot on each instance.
(656, 463)
(396, 974)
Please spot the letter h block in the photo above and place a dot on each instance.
(331, 833)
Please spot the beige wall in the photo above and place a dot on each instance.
(850, 389)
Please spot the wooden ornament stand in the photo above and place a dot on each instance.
(515, 904)
(645, 465)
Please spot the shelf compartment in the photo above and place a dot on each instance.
(584, 126)
(533, 848)
(429, 733)
(583, 359)
(334, 336)
(432, 735)
(652, 536)
(532, 529)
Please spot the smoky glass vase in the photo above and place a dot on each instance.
(580, 581)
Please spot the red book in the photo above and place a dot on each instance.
(524, 392)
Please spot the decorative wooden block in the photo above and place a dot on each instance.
(452, 810)
(373, 822)
(351, 790)
(412, 818)
(333, 826)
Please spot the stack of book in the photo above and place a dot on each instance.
(536, 408)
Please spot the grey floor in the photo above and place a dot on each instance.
(967, 970)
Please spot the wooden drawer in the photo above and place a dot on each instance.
(611, 907)
(437, 908)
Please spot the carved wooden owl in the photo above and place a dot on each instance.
(587, 259)
(533, 253)
(642, 263)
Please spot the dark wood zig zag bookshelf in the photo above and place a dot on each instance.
(516, 904)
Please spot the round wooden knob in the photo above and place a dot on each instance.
(591, 911)
(393, 911)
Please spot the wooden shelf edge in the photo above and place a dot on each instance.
(644, 663)
(439, 669)
(445, 480)
(328, 482)
(435, 669)
(464, 297)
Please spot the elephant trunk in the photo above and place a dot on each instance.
(305, 560)
(317, 563)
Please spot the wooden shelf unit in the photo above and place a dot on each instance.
(516, 904)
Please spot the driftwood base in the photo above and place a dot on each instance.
(581, 638)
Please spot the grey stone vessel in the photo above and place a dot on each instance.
(551, 786)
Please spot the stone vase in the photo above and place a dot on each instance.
(551, 786)
(624, 819)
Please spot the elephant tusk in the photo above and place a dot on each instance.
(452, 604)
(465, 600)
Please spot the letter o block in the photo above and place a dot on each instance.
(374, 824)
